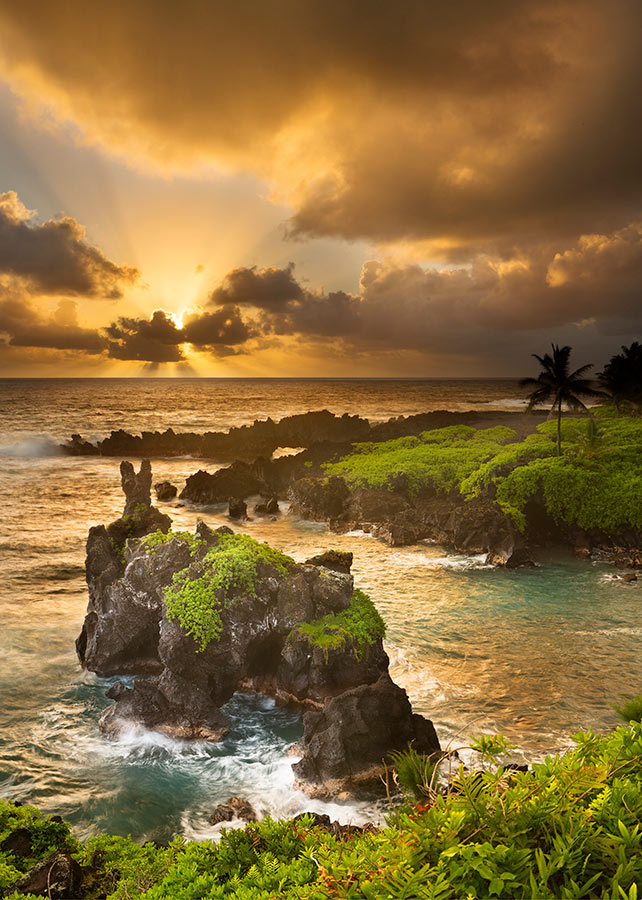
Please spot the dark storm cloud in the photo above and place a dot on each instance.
(269, 288)
(225, 327)
(494, 307)
(461, 125)
(53, 257)
(158, 339)
(26, 327)
(154, 340)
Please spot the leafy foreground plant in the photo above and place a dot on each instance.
(570, 828)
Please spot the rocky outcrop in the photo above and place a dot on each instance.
(102, 646)
(237, 509)
(269, 626)
(475, 526)
(344, 743)
(261, 438)
(240, 480)
(58, 877)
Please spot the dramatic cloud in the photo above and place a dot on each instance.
(26, 327)
(223, 328)
(487, 308)
(159, 340)
(53, 257)
(488, 315)
(458, 126)
(155, 340)
(270, 289)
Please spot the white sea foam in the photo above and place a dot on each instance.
(31, 446)
(424, 560)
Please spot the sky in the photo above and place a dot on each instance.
(327, 188)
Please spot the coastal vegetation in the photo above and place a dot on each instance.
(621, 378)
(229, 567)
(595, 483)
(356, 628)
(568, 828)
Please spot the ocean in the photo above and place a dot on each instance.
(537, 654)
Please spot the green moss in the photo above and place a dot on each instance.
(196, 605)
(233, 562)
(151, 542)
(356, 628)
(230, 567)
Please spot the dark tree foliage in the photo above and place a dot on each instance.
(622, 379)
(558, 386)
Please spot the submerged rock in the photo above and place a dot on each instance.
(211, 613)
(234, 808)
(165, 490)
(237, 509)
(267, 507)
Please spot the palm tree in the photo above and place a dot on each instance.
(555, 383)
(622, 378)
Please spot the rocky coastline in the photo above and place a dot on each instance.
(304, 430)
(399, 516)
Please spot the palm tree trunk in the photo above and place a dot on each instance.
(559, 427)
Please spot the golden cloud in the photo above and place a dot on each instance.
(461, 124)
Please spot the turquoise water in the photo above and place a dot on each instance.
(534, 653)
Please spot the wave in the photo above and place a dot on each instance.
(414, 558)
(31, 446)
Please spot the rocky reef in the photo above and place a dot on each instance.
(200, 616)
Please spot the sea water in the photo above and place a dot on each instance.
(536, 653)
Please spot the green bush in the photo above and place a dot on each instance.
(45, 836)
(439, 460)
(630, 710)
(569, 828)
(356, 628)
(596, 483)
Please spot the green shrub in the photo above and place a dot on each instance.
(568, 828)
(230, 567)
(597, 483)
(631, 709)
(356, 628)
(46, 837)
(439, 459)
